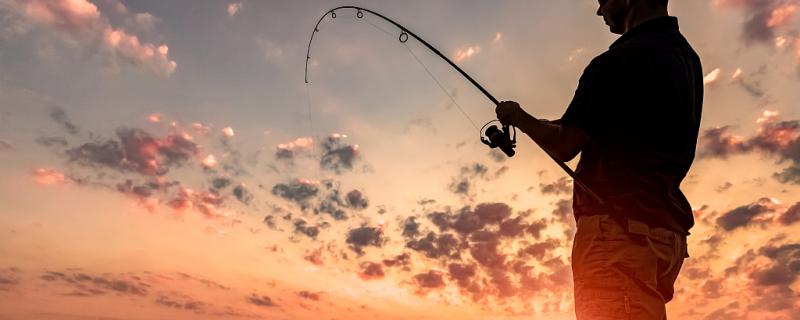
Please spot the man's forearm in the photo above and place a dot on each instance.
(554, 138)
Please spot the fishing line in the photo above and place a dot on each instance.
(430, 74)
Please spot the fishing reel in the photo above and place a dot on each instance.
(500, 138)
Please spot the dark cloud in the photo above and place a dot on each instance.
(51, 142)
(774, 137)
(90, 285)
(760, 23)
(492, 213)
(301, 226)
(58, 115)
(364, 236)
(9, 278)
(539, 250)
(242, 194)
(461, 273)
(179, 302)
(488, 254)
(429, 280)
(716, 142)
(724, 187)
(136, 151)
(745, 215)
(791, 215)
(371, 270)
(411, 227)
(260, 300)
(463, 183)
(561, 186)
(403, 260)
(435, 246)
(220, 183)
(460, 187)
(315, 296)
(536, 228)
(497, 155)
(297, 191)
(356, 200)
(337, 155)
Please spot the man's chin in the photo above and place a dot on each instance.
(615, 30)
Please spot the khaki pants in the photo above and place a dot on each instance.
(624, 274)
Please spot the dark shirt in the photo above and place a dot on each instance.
(640, 102)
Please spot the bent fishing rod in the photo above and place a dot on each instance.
(495, 138)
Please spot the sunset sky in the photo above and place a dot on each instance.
(166, 160)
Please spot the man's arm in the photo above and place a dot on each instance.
(562, 142)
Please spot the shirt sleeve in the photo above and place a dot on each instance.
(589, 108)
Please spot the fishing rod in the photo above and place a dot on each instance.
(494, 137)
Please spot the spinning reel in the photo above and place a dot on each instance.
(500, 138)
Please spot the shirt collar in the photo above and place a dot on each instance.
(659, 24)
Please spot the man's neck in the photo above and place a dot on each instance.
(641, 14)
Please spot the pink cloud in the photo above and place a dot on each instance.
(83, 21)
(48, 176)
(129, 48)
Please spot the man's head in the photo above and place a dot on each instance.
(621, 15)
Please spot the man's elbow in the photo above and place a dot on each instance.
(564, 154)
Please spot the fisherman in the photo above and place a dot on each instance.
(634, 119)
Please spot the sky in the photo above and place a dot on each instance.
(167, 160)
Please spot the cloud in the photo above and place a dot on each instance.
(711, 77)
(561, 186)
(315, 296)
(260, 300)
(356, 200)
(288, 151)
(181, 302)
(775, 137)
(371, 271)
(747, 214)
(234, 8)
(4, 145)
(84, 24)
(59, 116)
(92, 285)
(435, 246)
(298, 191)
(10, 278)
(48, 176)
(463, 54)
(429, 280)
(402, 260)
(301, 226)
(337, 155)
(242, 194)
(315, 257)
(763, 17)
(50, 142)
(136, 151)
(724, 187)
(364, 236)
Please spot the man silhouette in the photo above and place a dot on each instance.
(634, 119)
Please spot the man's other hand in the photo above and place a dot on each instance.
(510, 113)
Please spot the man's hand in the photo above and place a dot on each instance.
(510, 113)
(562, 142)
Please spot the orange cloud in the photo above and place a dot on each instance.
(711, 77)
(48, 176)
(465, 53)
